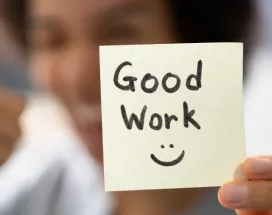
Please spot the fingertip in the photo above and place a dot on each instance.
(233, 195)
(239, 173)
(258, 167)
(220, 196)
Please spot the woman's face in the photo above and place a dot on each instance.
(64, 37)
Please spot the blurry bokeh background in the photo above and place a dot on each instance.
(12, 72)
(14, 76)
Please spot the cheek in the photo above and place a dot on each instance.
(48, 75)
(42, 72)
(72, 74)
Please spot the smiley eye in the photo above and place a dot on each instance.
(162, 146)
(171, 146)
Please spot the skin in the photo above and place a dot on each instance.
(254, 177)
(64, 49)
(11, 107)
(64, 60)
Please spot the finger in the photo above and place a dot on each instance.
(253, 212)
(5, 150)
(9, 115)
(12, 102)
(254, 195)
(239, 174)
(6, 144)
(10, 129)
(258, 168)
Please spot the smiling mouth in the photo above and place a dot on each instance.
(168, 163)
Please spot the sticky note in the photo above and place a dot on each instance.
(172, 115)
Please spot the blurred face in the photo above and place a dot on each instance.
(64, 37)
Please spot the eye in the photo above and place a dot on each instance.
(47, 42)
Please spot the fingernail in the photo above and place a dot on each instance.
(239, 174)
(234, 193)
(258, 166)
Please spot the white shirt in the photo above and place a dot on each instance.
(51, 173)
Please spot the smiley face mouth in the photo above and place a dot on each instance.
(168, 163)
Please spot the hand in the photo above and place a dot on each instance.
(11, 107)
(251, 191)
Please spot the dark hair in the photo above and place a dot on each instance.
(195, 20)
(13, 13)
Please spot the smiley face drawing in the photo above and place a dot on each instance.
(168, 163)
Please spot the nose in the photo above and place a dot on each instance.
(79, 74)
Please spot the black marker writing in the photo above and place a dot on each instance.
(168, 163)
(156, 120)
(138, 122)
(173, 89)
(168, 120)
(130, 79)
(159, 119)
(146, 78)
(196, 77)
(188, 117)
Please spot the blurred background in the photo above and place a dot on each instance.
(13, 75)
(12, 72)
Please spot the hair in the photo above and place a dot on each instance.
(195, 20)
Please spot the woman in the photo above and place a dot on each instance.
(60, 39)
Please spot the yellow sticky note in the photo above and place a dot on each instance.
(172, 115)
